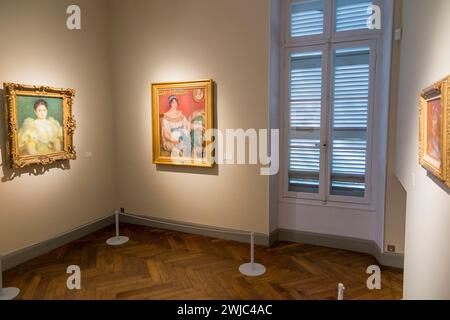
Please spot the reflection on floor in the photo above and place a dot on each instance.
(160, 264)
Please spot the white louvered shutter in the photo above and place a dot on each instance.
(352, 14)
(305, 105)
(350, 110)
(307, 18)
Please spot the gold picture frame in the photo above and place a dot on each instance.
(39, 124)
(434, 130)
(182, 115)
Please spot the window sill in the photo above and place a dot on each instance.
(328, 204)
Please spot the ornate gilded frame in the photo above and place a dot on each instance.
(440, 89)
(156, 126)
(11, 91)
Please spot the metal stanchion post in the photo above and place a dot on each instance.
(118, 239)
(341, 290)
(6, 293)
(252, 269)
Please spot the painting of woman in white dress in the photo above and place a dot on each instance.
(40, 133)
(182, 113)
(176, 136)
(40, 124)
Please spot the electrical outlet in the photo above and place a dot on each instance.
(228, 156)
(398, 34)
(391, 248)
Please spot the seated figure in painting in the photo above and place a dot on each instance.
(434, 132)
(176, 138)
(198, 134)
(41, 135)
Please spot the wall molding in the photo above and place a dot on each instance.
(199, 229)
(343, 243)
(17, 257)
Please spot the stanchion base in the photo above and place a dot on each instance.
(252, 270)
(9, 293)
(117, 241)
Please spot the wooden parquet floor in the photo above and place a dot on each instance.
(161, 264)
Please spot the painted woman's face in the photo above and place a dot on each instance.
(41, 112)
(174, 104)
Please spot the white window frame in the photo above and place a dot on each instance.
(327, 43)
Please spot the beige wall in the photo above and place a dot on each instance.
(425, 51)
(395, 211)
(36, 48)
(160, 40)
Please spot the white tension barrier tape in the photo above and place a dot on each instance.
(186, 226)
(251, 269)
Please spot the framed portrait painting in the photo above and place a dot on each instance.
(39, 124)
(434, 133)
(182, 115)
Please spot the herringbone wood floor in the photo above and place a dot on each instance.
(160, 264)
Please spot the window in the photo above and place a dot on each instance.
(330, 75)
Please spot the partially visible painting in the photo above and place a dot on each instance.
(182, 115)
(39, 124)
(434, 135)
